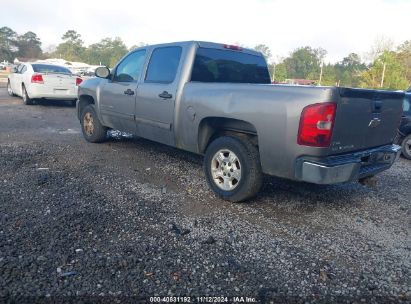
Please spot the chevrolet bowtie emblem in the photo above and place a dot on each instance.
(374, 122)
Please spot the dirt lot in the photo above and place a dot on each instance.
(130, 217)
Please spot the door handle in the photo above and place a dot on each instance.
(129, 92)
(165, 95)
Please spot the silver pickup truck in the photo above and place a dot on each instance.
(217, 100)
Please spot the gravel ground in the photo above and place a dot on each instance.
(130, 219)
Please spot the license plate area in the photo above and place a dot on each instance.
(377, 158)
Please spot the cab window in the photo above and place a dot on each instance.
(407, 104)
(130, 68)
(163, 65)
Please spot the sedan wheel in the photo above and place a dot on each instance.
(27, 100)
(9, 89)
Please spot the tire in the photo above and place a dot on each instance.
(9, 89)
(232, 168)
(26, 99)
(406, 147)
(93, 130)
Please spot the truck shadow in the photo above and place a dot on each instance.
(275, 191)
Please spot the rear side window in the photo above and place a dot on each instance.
(48, 68)
(214, 65)
(164, 64)
(23, 70)
(407, 104)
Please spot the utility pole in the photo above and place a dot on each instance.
(383, 75)
(321, 73)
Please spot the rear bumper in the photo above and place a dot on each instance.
(346, 167)
(39, 91)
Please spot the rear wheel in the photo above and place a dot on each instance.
(232, 168)
(406, 147)
(26, 99)
(9, 89)
(93, 130)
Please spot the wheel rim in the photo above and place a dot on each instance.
(226, 169)
(9, 90)
(407, 146)
(88, 124)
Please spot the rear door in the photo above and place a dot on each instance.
(118, 95)
(366, 119)
(157, 93)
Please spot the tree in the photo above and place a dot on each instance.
(265, 50)
(349, 69)
(305, 63)
(72, 48)
(106, 52)
(138, 45)
(404, 56)
(29, 45)
(394, 73)
(279, 71)
(381, 44)
(8, 44)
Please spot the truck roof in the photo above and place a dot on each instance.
(211, 45)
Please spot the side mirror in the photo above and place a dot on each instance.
(14, 70)
(102, 72)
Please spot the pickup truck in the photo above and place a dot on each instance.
(217, 100)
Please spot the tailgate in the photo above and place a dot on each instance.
(365, 119)
(59, 81)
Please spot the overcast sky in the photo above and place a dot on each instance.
(340, 26)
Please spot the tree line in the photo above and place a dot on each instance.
(386, 67)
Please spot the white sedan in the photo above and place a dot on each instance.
(40, 80)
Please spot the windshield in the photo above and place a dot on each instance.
(48, 68)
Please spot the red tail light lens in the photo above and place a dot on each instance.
(37, 78)
(316, 125)
(78, 81)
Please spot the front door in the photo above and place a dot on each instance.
(156, 95)
(118, 95)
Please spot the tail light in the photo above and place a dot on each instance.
(316, 124)
(37, 78)
(78, 81)
(232, 47)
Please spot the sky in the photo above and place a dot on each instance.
(340, 27)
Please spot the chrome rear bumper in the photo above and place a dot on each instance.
(346, 167)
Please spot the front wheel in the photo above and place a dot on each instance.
(406, 147)
(232, 168)
(93, 130)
